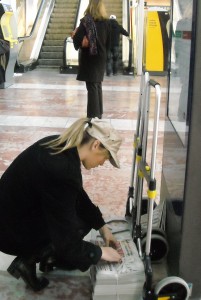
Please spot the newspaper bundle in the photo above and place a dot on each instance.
(122, 281)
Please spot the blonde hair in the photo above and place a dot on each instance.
(73, 136)
(96, 9)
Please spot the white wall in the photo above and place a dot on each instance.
(83, 6)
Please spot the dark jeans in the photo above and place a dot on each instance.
(112, 60)
(95, 100)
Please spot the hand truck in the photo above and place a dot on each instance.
(171, 287)
(135, 203)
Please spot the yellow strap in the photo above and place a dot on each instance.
(148, 169)
(163, 298)
(138, 158)
(140, 174)
(151, 194)
(135, 144)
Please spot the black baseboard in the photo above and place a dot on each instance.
(19, 68)
(70, 69)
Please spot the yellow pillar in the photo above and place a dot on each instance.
(153, 51)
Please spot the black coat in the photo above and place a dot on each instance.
(42, 201)
(92, 67)
(116, 30)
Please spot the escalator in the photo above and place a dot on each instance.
(43, 47)
(32, 22)
(42, 28)
(60, 26)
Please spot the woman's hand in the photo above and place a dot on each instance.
(110, 254)
(108, 237)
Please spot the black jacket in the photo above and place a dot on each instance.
(116, 30)
(92, 67)
(42, 201)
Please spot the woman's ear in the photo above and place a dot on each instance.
(96, 145)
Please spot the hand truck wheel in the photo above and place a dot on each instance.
(159, 247)
(155, 230)
(129, 207)
(172, 287)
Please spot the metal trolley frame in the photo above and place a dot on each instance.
(171, 287)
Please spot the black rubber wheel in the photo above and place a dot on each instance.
(129, 207)
(159, 247)
(174, 287)
(155, 230)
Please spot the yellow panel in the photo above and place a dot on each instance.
(6, 28)
(158, 3)
(154, 54)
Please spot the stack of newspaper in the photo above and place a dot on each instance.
(122, 281)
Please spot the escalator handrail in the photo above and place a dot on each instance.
(76, 17)
(22, 38)
(128, 17)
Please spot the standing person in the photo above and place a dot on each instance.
(4, 56)
(113, 53)
(92, 60)
(45, 212)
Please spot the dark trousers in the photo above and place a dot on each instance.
(12, 244)
(44, 249)
(95, 99)
(112, 60)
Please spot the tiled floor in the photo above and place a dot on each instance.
(43, 102)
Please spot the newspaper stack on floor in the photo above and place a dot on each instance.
(122, 281)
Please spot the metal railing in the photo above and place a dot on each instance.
(22, 38)
(31, 43)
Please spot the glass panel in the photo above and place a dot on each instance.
(21, 17)
(179, 99)
(29, 48)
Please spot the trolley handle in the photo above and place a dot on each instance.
(153, 83)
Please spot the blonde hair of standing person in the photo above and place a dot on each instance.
(96, 9)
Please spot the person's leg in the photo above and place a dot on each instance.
(47, 259)
(100, 95)
(25, 267)
(93, 105)
(109, 63)
(115, 60)
(51, 261)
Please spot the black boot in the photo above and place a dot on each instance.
(47, 261)
(27, 270)
(47, 264)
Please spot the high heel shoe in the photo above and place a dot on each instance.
(22, 268)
